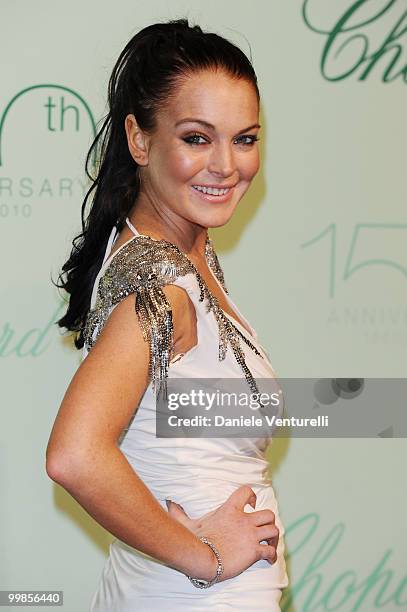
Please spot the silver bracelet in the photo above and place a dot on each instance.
(204, 584)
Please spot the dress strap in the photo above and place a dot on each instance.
(112, 238)
(131, 226)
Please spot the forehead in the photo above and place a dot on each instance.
(215, 97)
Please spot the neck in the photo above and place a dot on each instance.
(164, 224)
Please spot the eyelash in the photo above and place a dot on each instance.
(253, 139)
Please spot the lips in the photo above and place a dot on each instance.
(212, 189)
(211, 197)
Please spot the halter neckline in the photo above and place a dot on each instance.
(113, 236)
(131, 226)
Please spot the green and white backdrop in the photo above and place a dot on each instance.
(319, 239)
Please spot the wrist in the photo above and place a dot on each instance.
(210, 563)
(205, 582)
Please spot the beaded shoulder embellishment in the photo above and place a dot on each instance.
(143, 267)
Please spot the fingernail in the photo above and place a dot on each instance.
(177, 504)
(168, 502)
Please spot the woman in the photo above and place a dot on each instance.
(180, 151)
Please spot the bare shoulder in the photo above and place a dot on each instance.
(109, 384)
(122, 346)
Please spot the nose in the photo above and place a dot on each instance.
(222, 161)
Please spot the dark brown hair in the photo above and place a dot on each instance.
(143, 78)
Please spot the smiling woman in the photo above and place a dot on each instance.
(192, 167)
(195, 520)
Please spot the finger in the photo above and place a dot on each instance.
(273, 560)
(242, 496)
(263, 517)
(267, 552)
(170, 501)
(272, 542)
(267, 532)
(177, 512)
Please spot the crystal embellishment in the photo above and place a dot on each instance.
(143, 267)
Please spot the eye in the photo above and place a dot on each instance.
(245, 139)
(192, 139)
(251, 139)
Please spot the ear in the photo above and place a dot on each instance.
(137, 141)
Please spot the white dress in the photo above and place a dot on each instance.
(199, 474)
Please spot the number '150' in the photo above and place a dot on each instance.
(383, 235)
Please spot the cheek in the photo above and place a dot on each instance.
(250, 166)
(181, 165)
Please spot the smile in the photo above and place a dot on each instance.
(211, 190)
(213, 194)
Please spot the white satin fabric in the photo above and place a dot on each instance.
(199, 474)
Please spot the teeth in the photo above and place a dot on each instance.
(210, 190)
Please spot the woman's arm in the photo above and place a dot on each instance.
(83, 455)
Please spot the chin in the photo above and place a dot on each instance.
(218, 222)
(211, 218)
(213, 221)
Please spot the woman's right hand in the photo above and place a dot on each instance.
(235, 533)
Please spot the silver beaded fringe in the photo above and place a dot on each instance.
(143, 267)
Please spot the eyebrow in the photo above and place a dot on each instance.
(212, 127)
